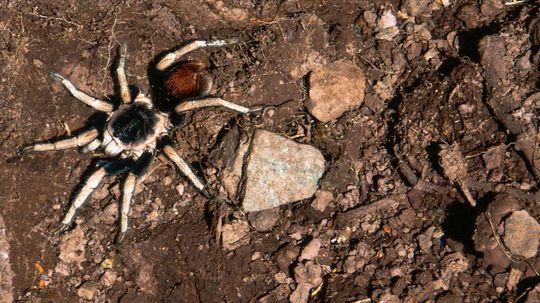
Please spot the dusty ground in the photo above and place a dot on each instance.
(449, 120)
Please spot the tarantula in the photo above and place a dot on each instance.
(135, 129)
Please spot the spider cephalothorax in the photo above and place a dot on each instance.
(134, 129)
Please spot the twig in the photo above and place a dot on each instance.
(54, 18)
(452, 93)
(515, 2)
(112, 39)
(489, 150)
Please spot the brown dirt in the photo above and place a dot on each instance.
(398, 225)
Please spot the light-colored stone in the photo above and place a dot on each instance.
(280, 171)
(180, 189)
(513, 278)
(108, 278)
(453, 264)
(389, 298)
(306, 51)
(335, 89)
(416, 8)
(310, 273)
(235, 234)
(307, 276)
(87, 290)
(522, 234)
(322, 200)
(167, 181)
(370, 17)
(281, 277)
(72, 251)
(311, 250)
(265, 220)
(6, 274)
(425, 239)
(387, 20)
(110, 213)
(300, 294)
(387, 34)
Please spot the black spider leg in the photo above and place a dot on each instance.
(105, 167)
(137, 170)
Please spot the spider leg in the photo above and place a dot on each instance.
(127, 194)
(91, 184)
(184, 167)
(92, 146)
(208, 102)
(172, 57)
(121, 75)
(85, 98)
(79, 140)
(128, 190)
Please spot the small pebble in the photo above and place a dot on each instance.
(311, 250)
(235, 234)
(180, 189)
(322, 200)
(87, 290)
(522, 234)
(108, 278)
(387, 20)
(265, 220)
(335, 89)
(167, 181)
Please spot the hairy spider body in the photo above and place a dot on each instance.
(134, 128)
(133, 131)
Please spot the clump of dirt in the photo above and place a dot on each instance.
(423, 183)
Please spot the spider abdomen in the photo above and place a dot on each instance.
(187, 80)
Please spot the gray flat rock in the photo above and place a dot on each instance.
(280, 171)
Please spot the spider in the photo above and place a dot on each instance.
(138, 128)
